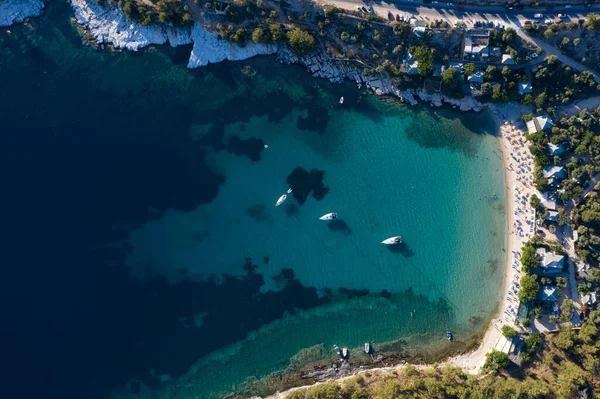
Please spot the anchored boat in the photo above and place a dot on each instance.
(281, 200)
(345, 353)
(392, 240)
(367, 348)
(449, 335)
(341, 100)
(329, 216)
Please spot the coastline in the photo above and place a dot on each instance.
(472, 361)
(16, 11)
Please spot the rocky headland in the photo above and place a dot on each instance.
(15, 11)
(109, 25)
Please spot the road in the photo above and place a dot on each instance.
(442, 10)
(514, 19)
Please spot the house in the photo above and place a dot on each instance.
(555, 149)
(549, 200)
(475, 80)
(544, 122)
(554, 172)
(552, 216)
(583, 268)
(418, 27)
(589, 299)
(476, 43)
(549, 261)
(412, 65)
(525, 88)
(413, 68)
(548, 293)
(539, 124)
(507, 59)
(456, 65)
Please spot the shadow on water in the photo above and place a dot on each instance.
(304, 182)
(402, 249)
(339, 225)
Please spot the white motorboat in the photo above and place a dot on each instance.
(392, 240)
(341, 100)
(281, 200)
(344, 353)
(289, 190)
(367, 348)
(329, 216)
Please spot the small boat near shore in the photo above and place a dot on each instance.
(345, 353)
(281, 200)
(329, 216)
(337, 350)
(289, 190)
(367, 348)
(341, 100)
(392, 240)
(449, 335)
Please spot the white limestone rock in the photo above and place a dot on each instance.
(109, 25)
(14, 11)
(208, 48)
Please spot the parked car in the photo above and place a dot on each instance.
(527, 22)
(397, 17)
(369, 9)
(548, 22)
(538, 16)
(562, 16)
(534, 55)
(570, 6)
(358, 8)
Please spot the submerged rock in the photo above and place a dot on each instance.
(14, 11)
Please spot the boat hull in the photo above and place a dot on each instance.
(392, 241)
(329, 216)
(281, 200)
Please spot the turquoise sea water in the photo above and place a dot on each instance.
(153, 200)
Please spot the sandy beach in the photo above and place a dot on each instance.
(518, 170)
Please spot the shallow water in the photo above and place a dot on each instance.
(157, 239)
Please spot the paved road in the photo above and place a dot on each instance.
(551, 50)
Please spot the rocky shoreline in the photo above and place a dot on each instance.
(15, 11)
(109, 25)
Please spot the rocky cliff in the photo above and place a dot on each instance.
(13, 11)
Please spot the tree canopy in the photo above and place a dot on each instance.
(301, 41)
(529, 288)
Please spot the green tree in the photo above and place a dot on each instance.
(528, 258)
(529, 288)
(549, 33)
(450, 76)
(576, 41)
(593, 21)
(496, 360)
(565, 339)
(567, 307)
(259, 35)
(534, 201)
(276, 32)
(508, 331)
(541, 100)
(424, 55)
(469, 69)
(301, 41)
